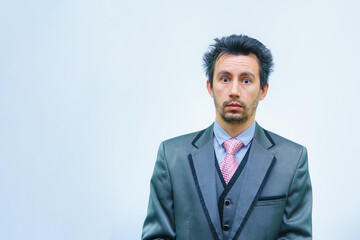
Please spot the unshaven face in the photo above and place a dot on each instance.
(236, 88)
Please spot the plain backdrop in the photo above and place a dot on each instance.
(89, 89)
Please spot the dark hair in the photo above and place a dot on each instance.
(239, 45)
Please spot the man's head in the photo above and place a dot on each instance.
(239, 45)
(238, 68)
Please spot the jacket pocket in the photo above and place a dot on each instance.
(271, 200)
(271, 197)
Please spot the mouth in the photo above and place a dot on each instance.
(234, 106)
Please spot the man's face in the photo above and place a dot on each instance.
(236, 88)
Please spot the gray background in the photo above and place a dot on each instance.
(89, 89)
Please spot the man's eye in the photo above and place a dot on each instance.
(224, 79)
(246, 81)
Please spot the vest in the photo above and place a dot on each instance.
(228, 195)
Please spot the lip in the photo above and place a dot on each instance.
(233, 106)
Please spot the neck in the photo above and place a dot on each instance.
(234, 129)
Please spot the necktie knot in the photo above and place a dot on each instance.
(232, 145)
(229, 165)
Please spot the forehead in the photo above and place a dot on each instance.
(237, 64)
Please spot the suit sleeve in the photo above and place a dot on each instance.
(159, 222)
(297, 222)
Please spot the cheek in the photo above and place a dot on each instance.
(250, 97)
(220, 92)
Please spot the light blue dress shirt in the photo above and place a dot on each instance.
(220, 136)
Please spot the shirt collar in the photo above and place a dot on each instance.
(245, 137)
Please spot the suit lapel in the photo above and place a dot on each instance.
(202, 162)
(255, 173)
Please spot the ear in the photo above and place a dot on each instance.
(209, 88)
(264, 91)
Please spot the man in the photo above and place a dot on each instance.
(233, 180)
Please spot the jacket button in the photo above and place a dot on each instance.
(227, 202)
(226, 228)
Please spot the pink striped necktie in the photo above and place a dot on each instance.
(229, 165)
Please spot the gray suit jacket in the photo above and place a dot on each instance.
(275, 199)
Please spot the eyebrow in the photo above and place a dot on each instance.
(224, 72)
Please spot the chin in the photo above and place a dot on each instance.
(234, 118)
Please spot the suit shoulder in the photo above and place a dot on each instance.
(185, 139)
(289, 154)
(282, 141)
(180, 146)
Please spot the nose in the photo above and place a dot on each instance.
(234, 89)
